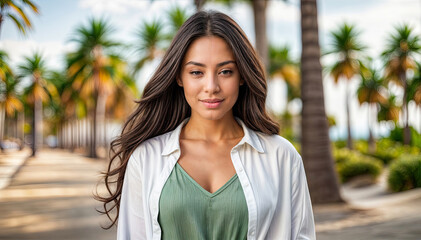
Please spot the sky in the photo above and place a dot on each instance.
(375, 19)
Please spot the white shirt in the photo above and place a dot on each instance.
(270, 171)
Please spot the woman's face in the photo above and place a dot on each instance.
(210, 78)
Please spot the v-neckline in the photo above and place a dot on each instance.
(206, 192)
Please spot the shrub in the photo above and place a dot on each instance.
(405, 173)
(340, 143)
(388, 150)
(361, 146)
(397, 135)
(350, 164)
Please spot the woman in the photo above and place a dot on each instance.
(200, 158)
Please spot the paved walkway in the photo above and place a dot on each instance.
(50, 197)
(10, 163)
(372, 213)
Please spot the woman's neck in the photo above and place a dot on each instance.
(212, 130)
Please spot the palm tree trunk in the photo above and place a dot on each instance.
(316, 148)
(259, 10)
(2, 124)
(33, 144)
(1, 20)
(59, 133)
(101, 116)
(348, 117)
(199, 4)
(92, 146)
(40, 132)
(88, 123)
(371, 142)
(78, 126)
(21, 133)
(405, 113)
(72, 134)
(35, 125)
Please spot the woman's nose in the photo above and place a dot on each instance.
(211, 83)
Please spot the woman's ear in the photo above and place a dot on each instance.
(241, 82)
(179, 82)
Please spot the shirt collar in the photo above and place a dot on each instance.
(249, 137)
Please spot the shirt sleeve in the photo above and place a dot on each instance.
(301, 210)
(131, 220)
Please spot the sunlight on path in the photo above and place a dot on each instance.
(51, 198)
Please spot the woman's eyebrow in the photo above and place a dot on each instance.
(203, 65)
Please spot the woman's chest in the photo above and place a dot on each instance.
(210, 165)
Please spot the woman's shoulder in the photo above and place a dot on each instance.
(280, 148)
(151, 146)
(277, 143)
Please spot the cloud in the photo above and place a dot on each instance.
(375, 22)
(140, 7)
(279, 11)
(52, 51)
(113, 6)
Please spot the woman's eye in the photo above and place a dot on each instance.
(195, 73)
(226, 72)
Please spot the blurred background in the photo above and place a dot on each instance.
(344, 82)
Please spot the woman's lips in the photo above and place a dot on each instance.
(212, 103)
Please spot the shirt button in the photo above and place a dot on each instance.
(246, 184)
(252, 232)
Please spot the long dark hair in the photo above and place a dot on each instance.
(163, 105)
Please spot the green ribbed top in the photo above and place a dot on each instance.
(188, 211)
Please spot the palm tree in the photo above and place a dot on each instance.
(91, 71)
(399, 57)
(39, 91)
(150, 43)
(10, 101)
(347, 50)
(4, 65)
(370, 91)
(11, 9)
(414, 88)
(389, 111)
(176, 16)
(281, 65)
(64, 111)
(315, 142)
(122, 99)
(5, 73)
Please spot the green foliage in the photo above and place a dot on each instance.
(347, 47)
(340, 143)
(386, 149)
(397, 135)
(402, 44)
(350, 164)
(361, 146)
(405, 173)
(16, 11)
